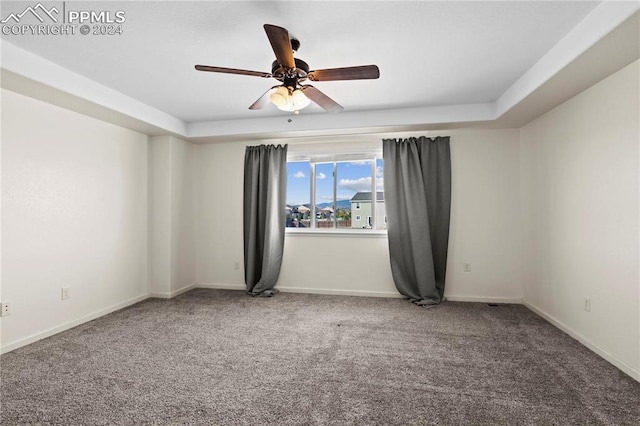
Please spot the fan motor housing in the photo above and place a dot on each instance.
(300, 71)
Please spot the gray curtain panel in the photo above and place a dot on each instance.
(417, 192)
(265, 189)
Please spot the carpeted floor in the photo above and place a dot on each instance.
(224, 358)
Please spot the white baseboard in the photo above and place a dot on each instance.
(69, 325)
(635, 374)
(340, 292)
(169, 295)
(222, 286)
(482, 299)
(362, 293)
(305, 290)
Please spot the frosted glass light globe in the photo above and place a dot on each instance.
(299, 100)
(280, 97)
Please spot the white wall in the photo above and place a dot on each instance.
(485, 216)
(160, 215)
(74, 214)
(580, 187)
(173, 190)
(219, 217)
(485, 227)
(348, 265)
(184, 204)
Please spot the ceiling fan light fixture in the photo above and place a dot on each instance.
(290, 71)
(289, 100)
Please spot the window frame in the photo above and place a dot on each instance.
(316, 157)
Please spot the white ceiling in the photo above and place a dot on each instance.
(432, 55)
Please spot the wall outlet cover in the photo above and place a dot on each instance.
(6, 309)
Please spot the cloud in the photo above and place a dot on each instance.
(321, 175)
(299, 175)
(357, 185)
(362, 184)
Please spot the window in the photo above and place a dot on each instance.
(323, 190)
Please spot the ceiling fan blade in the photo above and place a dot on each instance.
(263, 100)
(363, 72)
(279, 39)
(232, 71)
(321, 99)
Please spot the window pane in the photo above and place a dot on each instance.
(298, 194)
(347, 175)
(324, 195)
(381, 212)
(354, 193)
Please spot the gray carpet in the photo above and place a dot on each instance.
(222, 357)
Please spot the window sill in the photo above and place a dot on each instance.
(289, 232)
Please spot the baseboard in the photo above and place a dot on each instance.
(222, 286)
(305, 290)
(482, 299)
(69, 325)
(626, 368)
(362, 293)
(169, 295)
(340, 292)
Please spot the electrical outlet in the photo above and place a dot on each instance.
(6, 309)
(587, 304)
(65, 293)
(467, 266)
(236, 265)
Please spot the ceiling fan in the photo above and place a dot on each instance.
(291, 95)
